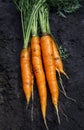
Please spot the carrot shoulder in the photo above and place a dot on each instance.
(49, 65)
(26, 73)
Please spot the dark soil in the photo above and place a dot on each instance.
(69, 33)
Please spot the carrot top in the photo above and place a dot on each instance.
(27, 10)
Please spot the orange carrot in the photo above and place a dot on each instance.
(32, 82)
(58, 60)
(49, 65)
(39, 73)
(59, 68)
(26, 73)
(29, 49)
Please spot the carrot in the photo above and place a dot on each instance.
(58, 60)
(59, 68)
(29, 49)
(39, 74)
(26, 73)
(49, 65)
(32, 83)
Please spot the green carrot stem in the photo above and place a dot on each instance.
(47, 22)
(35, 10)
(22, 19)
(34, 25)
(42, 18)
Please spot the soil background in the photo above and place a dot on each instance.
(69, 33)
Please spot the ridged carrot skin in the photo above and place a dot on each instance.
(26, 73)
(49, 65)
(57, 59)
(39, 72)
(29, 49)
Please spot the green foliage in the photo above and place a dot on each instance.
(25, 8)
(28, 9)
(65, 6)
(63, 52)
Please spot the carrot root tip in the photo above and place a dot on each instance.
(58, 117)
(46, 124)
(27, 104)
(65, 74)
(64, 114)
(32, 113)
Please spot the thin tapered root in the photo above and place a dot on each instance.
(32, 113)
(27, 104)
(58, 117)
(60, 79)
(64, 92)
(32, 104)
(65, 116)
(45, 123)
(65, 74)
(72, 99)
(63, 113)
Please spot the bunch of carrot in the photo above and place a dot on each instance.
(40, 58)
